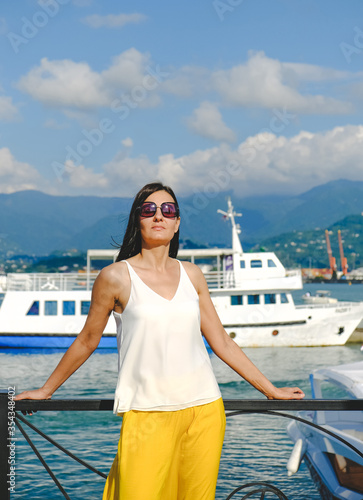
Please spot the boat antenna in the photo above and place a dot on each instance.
(236, 228)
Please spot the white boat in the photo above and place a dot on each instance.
(335, 466)
(251, 293)
(319, 297)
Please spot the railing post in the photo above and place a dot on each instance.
(4, 446)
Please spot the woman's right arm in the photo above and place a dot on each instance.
(104, 294)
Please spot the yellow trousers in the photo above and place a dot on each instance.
(168, 455)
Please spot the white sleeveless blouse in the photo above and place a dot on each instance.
(162, 360)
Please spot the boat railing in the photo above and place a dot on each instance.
(30, 282)
(77, 281)
(341, 306)
(10, 420)
(220, 279)
(228, 279)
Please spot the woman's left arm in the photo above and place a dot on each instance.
(227, 349)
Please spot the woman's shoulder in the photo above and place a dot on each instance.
(189, 266)
(194, 272)
(114, 273)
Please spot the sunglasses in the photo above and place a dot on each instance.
(168, 209)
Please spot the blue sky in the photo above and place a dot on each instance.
(258, 97)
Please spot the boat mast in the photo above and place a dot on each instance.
(236, 228)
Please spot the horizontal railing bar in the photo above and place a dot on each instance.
(293, 405)
(248, 405)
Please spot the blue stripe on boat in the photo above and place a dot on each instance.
(48, 341)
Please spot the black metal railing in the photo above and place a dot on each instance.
(11, 418)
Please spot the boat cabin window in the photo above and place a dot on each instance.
(85, 305)
(253, 299)
(50, 308)
(256, 263)
(236, 300)
(34, 309)
(284, 299)
(348, 472)
(69, 307)
(271, 263)
(270, 298)
(242, 264)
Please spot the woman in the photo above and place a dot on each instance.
(173, 416)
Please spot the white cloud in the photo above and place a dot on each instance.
(269, 83)
(74, 85)
(64, 83)
(127, 175)
(312, 73)
(127, 70)
(132, 80)
(16, 175)
(266, 163)
(128, 142)
(8, 112)
(122, 176)
(113, 20)
(189, 172)
(79, 176)
(293, 165)
(356, 90)
(207, 121)
(262, 164)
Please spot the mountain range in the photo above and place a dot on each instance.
(35, 223)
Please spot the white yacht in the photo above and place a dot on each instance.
(250, 290)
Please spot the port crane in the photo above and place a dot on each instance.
(343, 260)
(332, 261)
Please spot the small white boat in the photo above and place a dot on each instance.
(251, 291)
(319, 297)
(335, 466)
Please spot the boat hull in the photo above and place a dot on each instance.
(318, 448)
(287, 325)
(304, 334)
(278, 325)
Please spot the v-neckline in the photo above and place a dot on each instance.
(153, 291)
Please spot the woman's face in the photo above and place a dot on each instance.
(158, 230)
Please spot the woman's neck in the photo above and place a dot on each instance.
(156, 258)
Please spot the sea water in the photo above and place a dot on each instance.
(256, 447)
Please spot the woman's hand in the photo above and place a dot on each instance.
(287, 393)
(35, 394)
